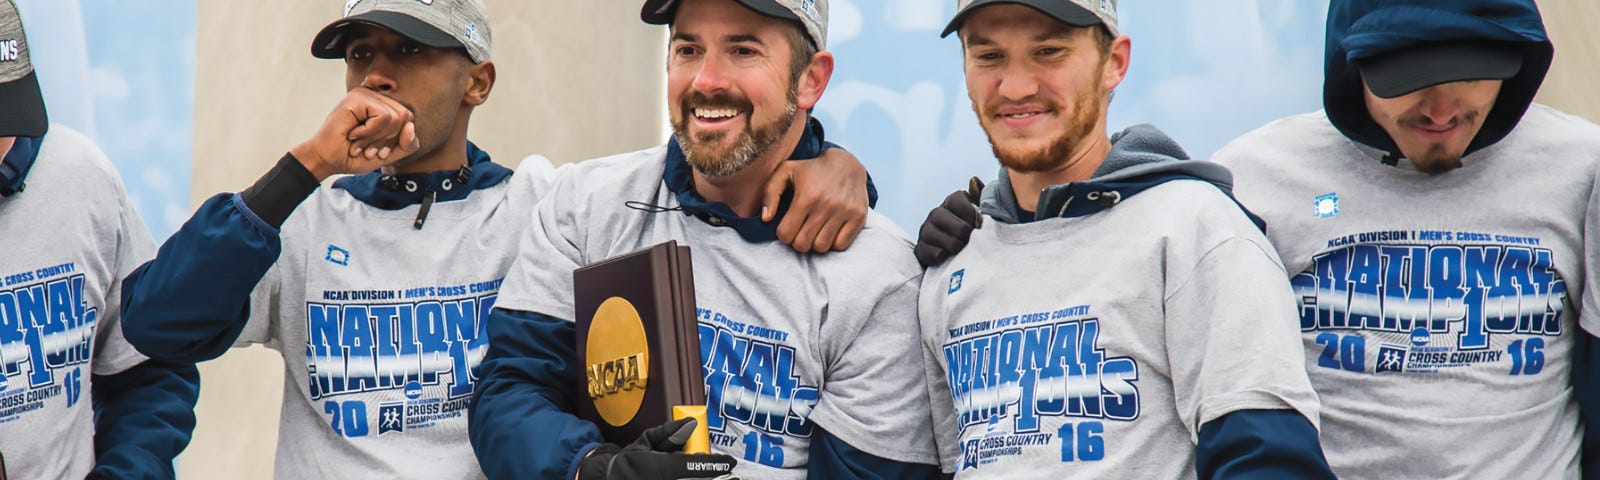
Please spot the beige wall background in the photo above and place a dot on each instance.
(1573, 80)
(576, 79)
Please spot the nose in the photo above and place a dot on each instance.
(710, 78)
(1017, 83)
(378, 76)
(1440, 104)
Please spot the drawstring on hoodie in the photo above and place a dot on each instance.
(1390, 159)
(650, 207)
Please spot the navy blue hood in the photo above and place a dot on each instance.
(1141, 157)
(1360, 29)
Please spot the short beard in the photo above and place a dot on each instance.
(1436, 159)
(1088, 112)
(753, 142)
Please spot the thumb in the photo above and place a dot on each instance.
(408, 142)
(772, 192)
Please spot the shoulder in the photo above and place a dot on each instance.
(1272, 143)
(1556, 132)
(881, 251)
(71, 151)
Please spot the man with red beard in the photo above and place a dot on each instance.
(1118, 315)
(811, 365)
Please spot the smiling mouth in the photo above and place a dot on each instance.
(715, 114)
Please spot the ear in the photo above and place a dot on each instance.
(814, 80)
(1117, 62)
(480, 80)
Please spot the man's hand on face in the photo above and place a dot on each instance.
(364, 132)
(830, 201)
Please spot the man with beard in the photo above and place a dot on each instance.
(377, 289)
(1439, 229)
(1118, 315)
(811, 363)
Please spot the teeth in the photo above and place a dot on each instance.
(1021, 115)
(715, 112)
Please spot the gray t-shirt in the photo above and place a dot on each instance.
(1438, 312)
(68, 241)
(836, 330)
(380, 326)
(1096, 346)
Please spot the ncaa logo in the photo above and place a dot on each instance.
(955, 280)
(413, 390)
(337, 256)
(1420, 336)
(1325, 206)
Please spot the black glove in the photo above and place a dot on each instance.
(656, 455)
(949, 226)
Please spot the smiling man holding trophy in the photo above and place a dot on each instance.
(807, 358)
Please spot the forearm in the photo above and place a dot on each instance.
(144, 417)
(831, 457)
(1260, 444)
(190, 303)
(521, 424)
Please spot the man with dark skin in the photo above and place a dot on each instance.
(374, 289)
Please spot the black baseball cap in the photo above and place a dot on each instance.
(22, 111)
(1407, 70)
(1078, 13)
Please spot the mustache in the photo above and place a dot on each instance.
(695, 100)
(1420, 120)
(992, 108)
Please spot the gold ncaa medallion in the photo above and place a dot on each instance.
(618, 358)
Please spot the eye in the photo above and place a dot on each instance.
(1050, 51)
(359, 52)
(410, 49)
(685, 51)
(744, 52)
(988, 56)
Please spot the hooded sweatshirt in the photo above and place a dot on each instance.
(1439, 312)
(76, 399)
(379, 318)
(1111, 332)
(835, 330)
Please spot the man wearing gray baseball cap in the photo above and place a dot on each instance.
(810, 360)
(76, 400)
(376, 382)
(1117, 314)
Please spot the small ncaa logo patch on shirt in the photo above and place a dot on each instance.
(1391, 358)
(337, 256)
(955, 280)
(1325, 206)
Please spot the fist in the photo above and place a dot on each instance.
(366, 131)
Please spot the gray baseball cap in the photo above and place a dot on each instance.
(435, 23)
(813, 14)
(21, 104)
(1078, 13)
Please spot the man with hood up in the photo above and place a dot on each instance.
(1118, 315)
(1438, 225)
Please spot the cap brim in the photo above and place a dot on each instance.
(1398, 73)
(660, 12)
(23, 114)
(329, 42)
(1064, 12)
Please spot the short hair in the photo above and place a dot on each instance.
(801, 49)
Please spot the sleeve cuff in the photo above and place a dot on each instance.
(276, 194)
